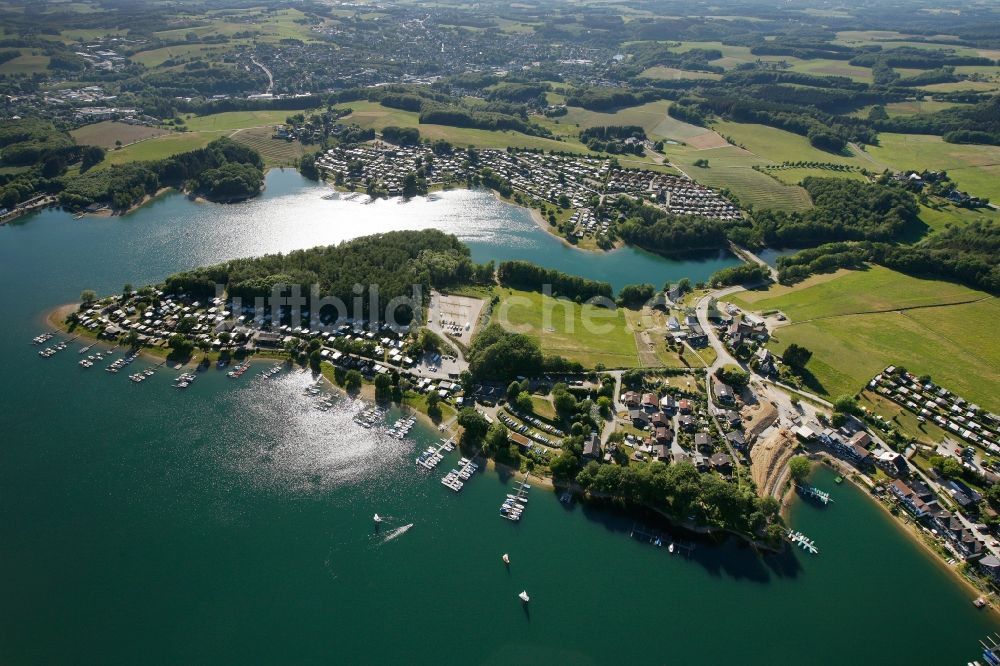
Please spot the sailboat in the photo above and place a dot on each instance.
(506, 559)
(671, 548)
(378, 518)
(524, 596)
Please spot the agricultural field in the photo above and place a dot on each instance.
(948, 333)
(156, 57)
(234, 120)
(104, 134)
(26, 63)
(610, 341)
(730, 167)
(160, 147)
(794, 176)
(674, 74)
(912, 107)
(376, 116)
(975, 168)
(777, 145)
(276, 152)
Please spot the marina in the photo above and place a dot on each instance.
(206, 500)
(802, 541)
(814, 493)
(516, 502)
(456, 478)
(432, 456)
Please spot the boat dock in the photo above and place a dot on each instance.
(432, 457)
(516, 502)
(456, 478)
(660, 540)
(815, 493)
(802, 541)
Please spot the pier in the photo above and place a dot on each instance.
(815, 493)
(659, 540)
(432, 457)
(516, 503)
(456, 478)
(802, 541)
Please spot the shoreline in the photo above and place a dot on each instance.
(912, 532)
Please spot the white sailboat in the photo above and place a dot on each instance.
(524, 596)
(506, 558)
(378, 518)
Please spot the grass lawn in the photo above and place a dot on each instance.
(953, 343)
(975, 168)
(946, 215)
(559, 326)
(904, 419)
(912, 107)
(543, 407)
(105, 133)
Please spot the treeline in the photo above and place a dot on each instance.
(680, 491)
(487, 120)
(402, 136)
(499, 354)
(614, 139)
(742, 274)
(976, 123)
(964, 254)
(843, 210)
(608, 99)
(387, 266)
(224, 169)
(907, 57)
(526, 275)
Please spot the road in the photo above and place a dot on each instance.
(270, 77)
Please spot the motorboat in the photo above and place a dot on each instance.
(670, 548)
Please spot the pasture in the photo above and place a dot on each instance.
(858, 322)
(276, 152)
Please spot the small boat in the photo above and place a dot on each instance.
(524, 596)
(670, 548)
(839, 479)
(378, 518)
(506, 558)
(979, 603)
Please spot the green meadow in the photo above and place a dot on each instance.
(610, 341)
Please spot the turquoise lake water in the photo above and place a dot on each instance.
(231, 523)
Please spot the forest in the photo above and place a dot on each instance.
(387, 266)
(222, 170)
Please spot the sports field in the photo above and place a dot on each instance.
(858, 322)
(563, 331)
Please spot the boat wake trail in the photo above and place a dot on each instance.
(399, 531)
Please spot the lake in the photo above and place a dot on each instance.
(231, 523)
